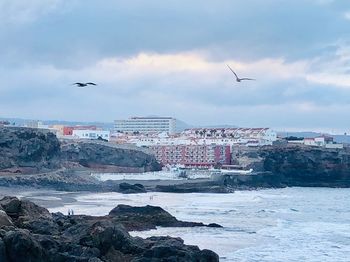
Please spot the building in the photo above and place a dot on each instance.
(57, 129)
(4, 123)
(220, 136)
(192, 155)
(322, 141)
(36, 124)
(309, 141)
(91, 134)
(243, 136)
(68, 130)
(146, 125)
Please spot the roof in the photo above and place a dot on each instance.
(151, 117)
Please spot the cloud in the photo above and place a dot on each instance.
(169, 57)
(243, 30)
(188, 85)
(347, 15)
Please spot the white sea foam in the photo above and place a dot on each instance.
(291, 224)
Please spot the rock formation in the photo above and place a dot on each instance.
(292, 165)
(29, 233)
(31, 151)
(28, 150)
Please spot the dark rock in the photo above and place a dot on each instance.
(127, 188)
(284, 165)
(11, 205)
(142, 217)
(115, 255)
(3, 257)
(97, 155)
(214, 225)
(40, 236)
(148, 217)
(5, 220)
(308, 166)
(173, 249)
(21, 246)
(208, 255)
(28, 149)
(24, 210)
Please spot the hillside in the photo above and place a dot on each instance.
(29, 151)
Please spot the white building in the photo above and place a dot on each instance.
(36, 124)
(244, 136)
(322, 141)
(146, 125)
(91, 134)
(220, 136)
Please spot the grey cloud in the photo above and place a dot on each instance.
(74, 37)
(246, 30)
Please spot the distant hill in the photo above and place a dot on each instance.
(181, 125)
(218, 126)
(22, 122)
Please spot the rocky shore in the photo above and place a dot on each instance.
(29, 233)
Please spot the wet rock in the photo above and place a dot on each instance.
(127, 188)
(214, 225)
(148, 217)
(38, 236)
(173, 249)
(139, 218)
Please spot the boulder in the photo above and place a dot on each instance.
(173, 249)
(22, 211)
(11, 205)
(21, 246)
(148, 217)
(5, 220)
(139, 218)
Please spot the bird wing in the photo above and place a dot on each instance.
(77, 83)
(232, 71)
(245, 78)
(90, 83)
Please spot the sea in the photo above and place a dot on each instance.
(290, 224)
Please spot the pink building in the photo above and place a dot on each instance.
(192, 155)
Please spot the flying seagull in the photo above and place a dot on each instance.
(82, 85)
(237, 78)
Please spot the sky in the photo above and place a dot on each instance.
(169, 57)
